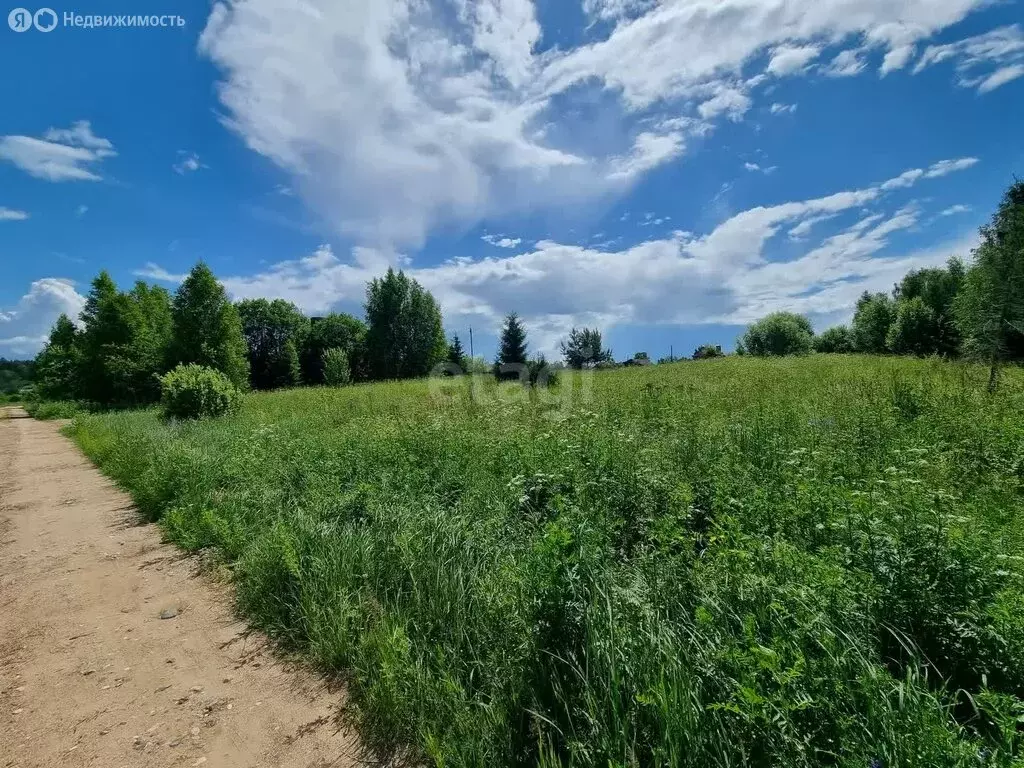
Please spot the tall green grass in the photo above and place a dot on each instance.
(775, 563)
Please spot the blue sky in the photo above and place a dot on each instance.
(667, 171)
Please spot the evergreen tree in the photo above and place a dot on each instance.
(58, 366)
(456, 354)
(584, 349)
(404, 337)
(511, 360)
(207, 328)
(274, 332)
(990, 306)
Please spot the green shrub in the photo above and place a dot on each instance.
(779, 334)
(47, 410)
(195, 392)
(336, 368)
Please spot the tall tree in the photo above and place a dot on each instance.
(59, 364)
(584, 348)
(456, 354)
(207, 328)
(404, 337)
(990, 306)
(274, 332)
(333, 331)
(915, 331)
(871, 322)
(511, 360)
(937, 288)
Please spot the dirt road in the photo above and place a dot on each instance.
(91, 675)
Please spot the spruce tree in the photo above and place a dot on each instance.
(456, 354)
(511, 359)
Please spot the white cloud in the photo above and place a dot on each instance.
(502, 242)
(728, 275)
(953, 210)
(946, 167)
(729, 102)
(25, 327)
(10, 214)
(81, 210)
(846, 64)
(985, 61)
(155, 272)
(897, 58)
(188, 162)
(788, 60)
(755, 168)
(63, 154)
(1001, 77)
(392, 118)
(779, 109)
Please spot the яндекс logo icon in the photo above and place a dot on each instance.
(20, 20)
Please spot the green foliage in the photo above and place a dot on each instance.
(15, 375)
(334, 331)
(584, 349)
(834, 341)
(404, 337)
(274, 332)
(803, 561)
(779, 334)
(937, 290)
(707, 352)
(511, 361)
(207, 328)
(457, 359)
(48, 410)
(336, 368)
(59, 364)
(540, 373)
(990, 307)
(915, 329)
(871, 322)
(196, 392)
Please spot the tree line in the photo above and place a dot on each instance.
(125, 340)
(951, 311)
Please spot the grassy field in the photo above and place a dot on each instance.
(738, 562)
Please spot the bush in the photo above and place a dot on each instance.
(47, 410)
(707, 352)
(195, 392)
(835, 341)
(915, 329)
(541, 374)
(778, 334)
(336, 368)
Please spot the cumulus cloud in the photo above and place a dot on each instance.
(10, 214)
(25, 327)
(63, 154)
(730, 275)
(985, 61)
(394, 117)
(788, 60)
(502, 242)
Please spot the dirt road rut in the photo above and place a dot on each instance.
(91, 675)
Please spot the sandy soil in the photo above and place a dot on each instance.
(91, 675)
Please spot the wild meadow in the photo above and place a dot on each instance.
(807, 561)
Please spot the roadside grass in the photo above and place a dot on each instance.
(799, 562)
(48, 410)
